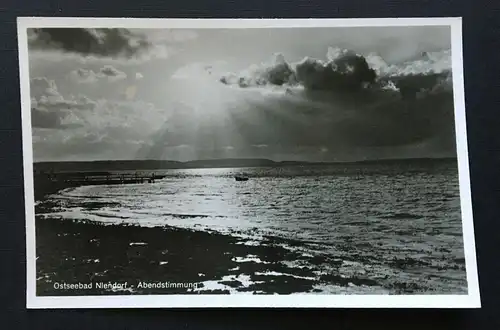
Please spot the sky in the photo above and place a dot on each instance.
(313, 94)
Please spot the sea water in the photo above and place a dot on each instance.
(389, 222)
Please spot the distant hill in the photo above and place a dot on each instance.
(106, 165)
(132, 165)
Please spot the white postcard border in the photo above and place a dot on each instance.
(470, 300)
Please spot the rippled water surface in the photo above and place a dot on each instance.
(390, 223)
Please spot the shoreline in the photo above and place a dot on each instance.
(42, 191)
(85, 252)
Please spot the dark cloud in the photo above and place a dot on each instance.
(342, 107)
(107, 72)
(342, 103)
(84, 75)
(338, 109)
(61, 145)
(347, 72)
(42, 118)
(344, 70)
(77, 127)
(114, 43)
(327, 130)
(41, 86)
(111, 71)
(49, 109)
(75, 103)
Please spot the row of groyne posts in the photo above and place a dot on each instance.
(129, 178)
(102, 178)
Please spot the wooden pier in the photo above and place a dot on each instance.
(99, 178)
(50, 183)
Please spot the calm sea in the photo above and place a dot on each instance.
(374, 218)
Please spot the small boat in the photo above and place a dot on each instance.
(240, 178)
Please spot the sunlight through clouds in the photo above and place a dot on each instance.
(205, 94)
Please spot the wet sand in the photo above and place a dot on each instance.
(70, 252)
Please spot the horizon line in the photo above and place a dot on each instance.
(242, 159)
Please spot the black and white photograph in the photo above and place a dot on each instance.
(212, 163)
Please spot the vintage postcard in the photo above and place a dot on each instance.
(246, 163)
